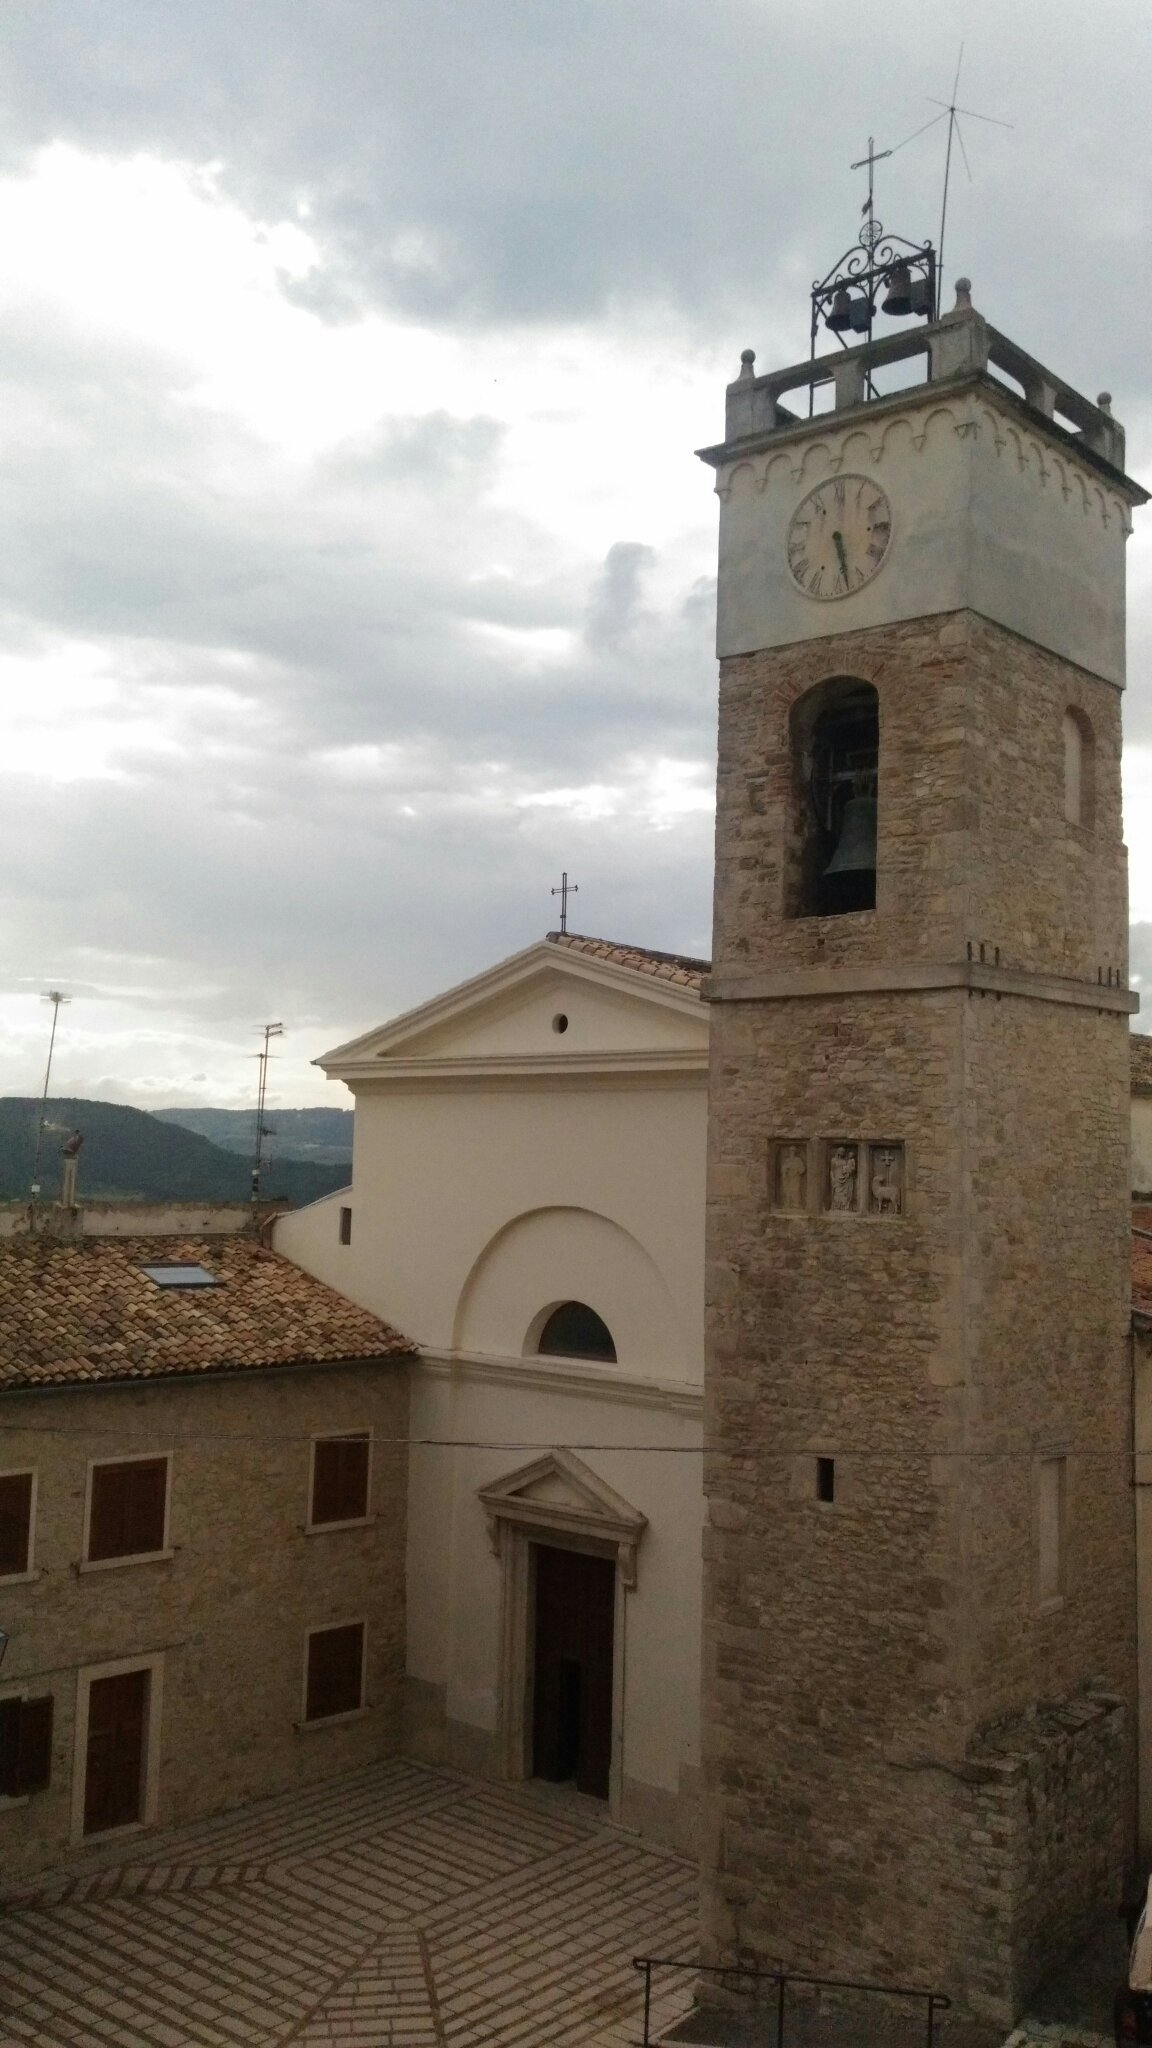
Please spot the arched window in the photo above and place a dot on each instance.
(1079, 768)
(576, 1331)
(835, 731)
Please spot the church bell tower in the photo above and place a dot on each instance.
(919, 1660)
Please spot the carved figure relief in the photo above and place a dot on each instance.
(791, 1189)
(886, 1179)
(863, 1177)
(843, 1167)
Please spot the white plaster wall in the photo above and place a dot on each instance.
(986, 515)
(311, 1238)
(454, 1603)
(600, 1019)
(440, 1174)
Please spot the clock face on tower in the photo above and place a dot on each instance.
(838, 536)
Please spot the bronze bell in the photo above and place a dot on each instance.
(899, 299)
(840, 313)
(860, 313)
(856, 846)
(922, 298)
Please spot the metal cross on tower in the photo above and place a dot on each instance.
(874, 157)
(565, 890)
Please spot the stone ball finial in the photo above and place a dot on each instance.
(963, 294)
(747, 359)
(1104, 401)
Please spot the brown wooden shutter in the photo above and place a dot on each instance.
(127, 1515)
(340, 1479)
(9, 1747)
(25, 1746)
(335, 1671)
(35, 1767)
(114, 1762)
(15, 1521)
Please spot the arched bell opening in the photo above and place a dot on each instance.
(835, 730)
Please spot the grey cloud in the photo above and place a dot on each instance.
(661, 167)
(1140, 971)
(479, 161)
(616, 595)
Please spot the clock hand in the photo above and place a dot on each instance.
(838, 544)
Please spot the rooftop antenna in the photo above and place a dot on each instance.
(55, 996)
(271, 1031)
(952, 113)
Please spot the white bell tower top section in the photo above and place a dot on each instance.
(990, 485)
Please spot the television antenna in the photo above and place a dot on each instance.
(951, 112)
(56, 997)
(271, 1031)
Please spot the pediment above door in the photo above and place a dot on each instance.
(559, 1495)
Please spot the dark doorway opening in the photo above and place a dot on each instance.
(572, 1668)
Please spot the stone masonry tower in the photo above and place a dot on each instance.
(919, 1634)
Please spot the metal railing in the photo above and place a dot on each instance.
(932, 2001)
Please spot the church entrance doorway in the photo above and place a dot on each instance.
(573, 1642)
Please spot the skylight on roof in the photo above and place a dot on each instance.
(181, 1276)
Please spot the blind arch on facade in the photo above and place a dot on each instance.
(1079, 768)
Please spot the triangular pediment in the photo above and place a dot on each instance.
(510, 1015)
(557, 1495)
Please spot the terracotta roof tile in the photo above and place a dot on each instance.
(678, 968)
(85, 1313)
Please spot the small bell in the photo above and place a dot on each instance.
(840, 313)
(899, 299)
(922, 298)
(860, 314)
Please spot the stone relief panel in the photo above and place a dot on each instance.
(842, 1178)
(885, 1179)
(863, 1177)
(788, 1175)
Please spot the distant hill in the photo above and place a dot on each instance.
(133, 1155)
(323, 1136)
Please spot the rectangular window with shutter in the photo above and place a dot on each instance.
(25, 1746)
(334, 1671)
(341, 1467)
(17, 1502)
(127, 1509)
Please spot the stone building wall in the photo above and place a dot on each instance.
(229, 1608)
(859, 1651)
(972, 837)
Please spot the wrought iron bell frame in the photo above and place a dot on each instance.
(860, 274)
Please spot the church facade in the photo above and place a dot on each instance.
(528, 1194)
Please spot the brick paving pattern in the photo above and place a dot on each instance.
(400, 1908)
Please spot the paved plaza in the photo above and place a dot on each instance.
(399, 1908)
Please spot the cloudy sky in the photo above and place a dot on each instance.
(355, 569)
